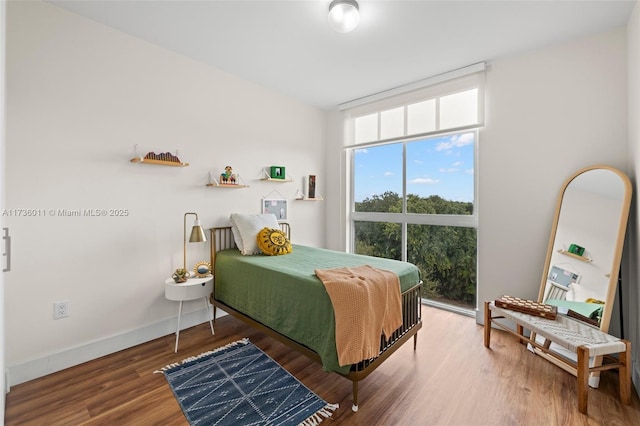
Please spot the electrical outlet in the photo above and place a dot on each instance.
(60, 309)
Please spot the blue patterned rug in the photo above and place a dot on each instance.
(238, 384)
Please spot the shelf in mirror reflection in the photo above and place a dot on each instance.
(575, 256)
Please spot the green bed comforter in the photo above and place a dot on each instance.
(589, 310)
(283, 292)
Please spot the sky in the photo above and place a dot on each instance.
(437, 166)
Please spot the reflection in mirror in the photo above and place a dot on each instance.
(585, 248)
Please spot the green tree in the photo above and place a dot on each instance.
(445, 255)
(387, 202)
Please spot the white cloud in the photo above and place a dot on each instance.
(388, 173)
(456, 141)
(469, 171)
(424, 181)
(463, 139)
(455, 167)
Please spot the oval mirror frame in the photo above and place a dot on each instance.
(609, 269)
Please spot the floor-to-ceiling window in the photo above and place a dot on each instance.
(413, 185)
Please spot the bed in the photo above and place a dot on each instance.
(282, 296)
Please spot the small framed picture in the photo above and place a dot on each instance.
(277, 172)
(278, 207)
(563, 276)
(202, 269)
(312, 186)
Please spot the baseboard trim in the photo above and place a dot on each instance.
(39, 367)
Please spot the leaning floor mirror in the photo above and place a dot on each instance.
(582, 266)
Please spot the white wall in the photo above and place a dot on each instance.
(631, 284)
(335, 205)
(549, 112)
(79, 96)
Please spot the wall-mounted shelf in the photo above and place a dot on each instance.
(213, 182)
(301, 197)
(276, 180)
(310, 199)
(165, 159)
(159, 162)
(575, 256)
(227, 185)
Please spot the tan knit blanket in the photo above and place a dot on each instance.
(366, 302)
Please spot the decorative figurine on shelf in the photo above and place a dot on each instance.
(228, 177)
(181, 275)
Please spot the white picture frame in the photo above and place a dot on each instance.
(562, 276)
(276, 206)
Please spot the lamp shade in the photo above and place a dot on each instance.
(197, 236)
(344, 15)
(197, 233)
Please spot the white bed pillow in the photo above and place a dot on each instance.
(245, 228)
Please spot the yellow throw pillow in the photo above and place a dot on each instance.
(273, 242)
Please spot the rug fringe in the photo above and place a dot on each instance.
(323, 413)
(243, 341)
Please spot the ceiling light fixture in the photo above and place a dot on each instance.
(344, 15)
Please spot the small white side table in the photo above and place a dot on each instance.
(193, 288)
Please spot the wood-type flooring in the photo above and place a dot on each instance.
(451, 379)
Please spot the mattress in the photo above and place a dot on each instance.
(284, 294)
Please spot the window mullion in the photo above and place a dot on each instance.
(467, 221)
(404, 178)
(405, 242)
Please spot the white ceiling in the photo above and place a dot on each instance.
(288, 46)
